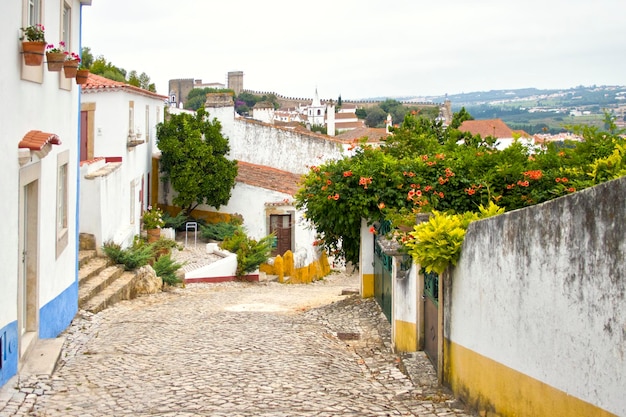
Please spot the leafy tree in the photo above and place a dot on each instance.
(86, 57)
(459, 117)
(100, 66)
(193, 160)
(375, 117)
(361, 113)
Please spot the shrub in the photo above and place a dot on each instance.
(137, 255)
(250, 253)
(218, 231)
(177, 222)
(166, 268)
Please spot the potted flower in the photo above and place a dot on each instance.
(82, 74)
(34, 45)
(70, 65)
(153, 222)
(55, 56)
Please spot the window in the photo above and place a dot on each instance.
(34, 12)
(132, 201)
(66, 30)
(66, 36)
(62, 201)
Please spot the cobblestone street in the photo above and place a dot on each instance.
(234, 349)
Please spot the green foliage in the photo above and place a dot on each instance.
(250, 253)
(193, 160)
(197, 96)
(424, 167)
(175, 222)
(218, 231)
(459, 117)
(166, 268)
(437, 243)
(100, 66)
(132, 258)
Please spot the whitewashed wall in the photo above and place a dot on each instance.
(111, 127)
(281, 148)
(542, 291)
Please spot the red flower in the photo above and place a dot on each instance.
(336, 197)
(381, 205)
(428, 188)
(347, 173)
(470, 191)
(373, 230)
(571, 189)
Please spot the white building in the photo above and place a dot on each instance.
(118, 136)
(39, 157)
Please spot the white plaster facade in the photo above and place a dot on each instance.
(116, 172)
(38, 261)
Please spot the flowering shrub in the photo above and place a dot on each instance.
(56, 49)
(153, 218)
(423, 168)
(34, 33)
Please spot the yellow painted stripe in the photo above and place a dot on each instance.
(367, 284)
(490, 386)
(405, 338)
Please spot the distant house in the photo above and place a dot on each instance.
(497, 129)
(39, 158)
(118, 136)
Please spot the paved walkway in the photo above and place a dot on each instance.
(234, 349)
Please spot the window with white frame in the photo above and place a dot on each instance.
(34, 12)
(62, 201)
(66, 29)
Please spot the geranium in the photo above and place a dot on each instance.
(153, 218)
(71, 56)
(34, 33)
(56, 49)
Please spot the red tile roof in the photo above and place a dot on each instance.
(268, 178)
(98, 83)
(35, 140)
(492, 127)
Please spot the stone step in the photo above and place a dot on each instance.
(89, 264)
(122, 288)
(84, 256)
(90, 287)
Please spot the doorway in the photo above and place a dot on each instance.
(28, 271)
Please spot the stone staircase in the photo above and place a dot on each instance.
(100, 283)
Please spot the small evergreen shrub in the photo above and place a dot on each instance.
(137, 255)
(218, 231)
(166, 268)
(250, 253)
(177, 222)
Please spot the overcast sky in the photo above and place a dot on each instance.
(365, 48)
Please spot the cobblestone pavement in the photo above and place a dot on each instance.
(234, 349)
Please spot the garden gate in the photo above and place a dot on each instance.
(382, 271)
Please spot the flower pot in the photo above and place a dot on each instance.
(55, 61)
(33, 53)
(70, 68)
(81, 76)
(153, 235)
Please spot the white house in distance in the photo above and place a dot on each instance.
(39, 158)
(118, 135)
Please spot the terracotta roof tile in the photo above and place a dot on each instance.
(35, 140)
(98, 83)
(492, 127)
(268, 178)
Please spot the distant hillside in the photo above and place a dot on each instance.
(536, 110)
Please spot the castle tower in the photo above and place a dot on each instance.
(235, 81)
(179, 90)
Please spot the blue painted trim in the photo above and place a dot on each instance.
(8, 352)
(57, 315)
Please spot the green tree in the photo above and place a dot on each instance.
(86, 57)
(375, 117)
(459, 117)
(193, 160)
